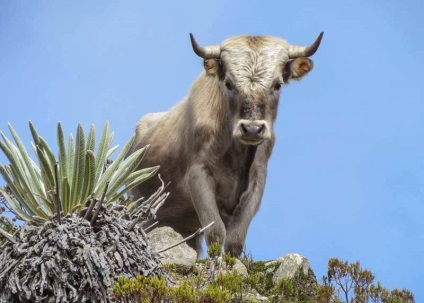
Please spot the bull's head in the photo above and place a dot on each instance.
(251, 71)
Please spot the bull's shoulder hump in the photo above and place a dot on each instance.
(149, 120)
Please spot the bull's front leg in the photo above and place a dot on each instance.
(244, 212)
(201, 186)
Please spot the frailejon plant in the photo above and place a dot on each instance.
(81, 231)
(68, 181)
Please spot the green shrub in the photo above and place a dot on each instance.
(260, 275)
(348, 282)
(155, 290)
(232, 282)
(229, 260)
(214, 250)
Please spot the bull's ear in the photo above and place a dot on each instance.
(297, 69)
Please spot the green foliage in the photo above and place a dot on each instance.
(301, 288)
(214, 294)
(350, 283)
(64, 184)
(284, 291)
(260, 275)
(232, 282)
(141, 289)
(214, 250)
(155, 290)
(326, 294)
(229, 260)
(231, 287)
(185, 293)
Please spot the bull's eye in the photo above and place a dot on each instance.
(277, 86)
(228, 85)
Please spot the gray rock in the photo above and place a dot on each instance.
(239, 268)
(181, 257)
(290, 265)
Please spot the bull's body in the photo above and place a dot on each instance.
(215, 144)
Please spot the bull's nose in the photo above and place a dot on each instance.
(252, 130)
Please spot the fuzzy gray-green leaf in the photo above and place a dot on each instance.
(15, 187)
(17, 171)
(138, 180)
(49, 153)
(79, 161)
(28, 202)
(126, 168)
(102, 151)
(111, 169)
(33, 178)
(63, 166)
(46, 170)
(34, 133)
(89, 176)
(91, 140)
(70, 159)
(65, 196)
(148, 170)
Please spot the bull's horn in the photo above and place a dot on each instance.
(206, 52)
(296, 51)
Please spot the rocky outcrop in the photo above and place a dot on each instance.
(290, 266)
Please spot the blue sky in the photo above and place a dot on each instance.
(346, 178)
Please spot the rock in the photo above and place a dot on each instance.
(239, 268)
(182, 257)
(255, 298)
(291, 265)
(221, 267)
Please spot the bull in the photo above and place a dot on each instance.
(215, 144)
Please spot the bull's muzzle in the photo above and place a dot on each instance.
(252, 132)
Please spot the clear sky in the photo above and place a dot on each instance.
(346, 178)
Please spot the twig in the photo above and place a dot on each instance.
(150, 226)
(93, 219)
(4, 272)
(134, 222)
(136, 206)
(90, 207)
(7, 236)
(158, 204)
(153, 210)
(197, 233)
(56, 194)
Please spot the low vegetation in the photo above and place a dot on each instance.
(216, 283)
(348, 282)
